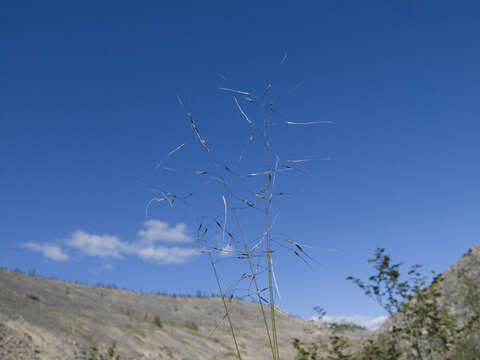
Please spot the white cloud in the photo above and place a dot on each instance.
(156, 230)
(49, 251)
(98, 245)
(110, 246)
(371, 323)
(166, 255)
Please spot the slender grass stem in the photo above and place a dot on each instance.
(226, 307)
(273, 348)
(267, 237)
(252, 271)
(268, 193)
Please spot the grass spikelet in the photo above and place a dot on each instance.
(235, 91)
(309, 122)
(176, 149)
(241, 111)
(306, 160)
(225, 217)
(155, 199)
(202, 141)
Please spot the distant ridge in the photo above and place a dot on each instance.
(56, 320)
(50, 319)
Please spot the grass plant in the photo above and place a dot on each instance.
(256, 191)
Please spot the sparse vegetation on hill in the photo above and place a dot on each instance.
(87, 321)
(197, 294)
(39, 319)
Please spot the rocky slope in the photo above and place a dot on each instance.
(49, 319)
(455, 280)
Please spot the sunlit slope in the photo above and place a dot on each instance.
(49, 319)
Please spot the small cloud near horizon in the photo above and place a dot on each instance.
(98, 245)
(159, 231)
(110, 246)
(49, 251)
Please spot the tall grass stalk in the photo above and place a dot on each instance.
(227, 313)
(253, 273)
(269, 329)
(230, 200)
(267, 194)
(254, 277)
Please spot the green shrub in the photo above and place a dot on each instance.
(336, 326)
(157, 322)
(109, 354)
(33, 297)
(191, 325)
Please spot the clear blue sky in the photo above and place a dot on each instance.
(89, 107)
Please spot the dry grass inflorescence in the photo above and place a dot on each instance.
(242, 185)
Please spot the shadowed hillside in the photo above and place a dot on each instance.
(440, 320)
(457, 293)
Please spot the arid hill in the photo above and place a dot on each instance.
(49, 319)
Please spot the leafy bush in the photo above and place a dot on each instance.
(33, 297)
(191, 325)
(345, 326)
(157, 322)
(109, 354)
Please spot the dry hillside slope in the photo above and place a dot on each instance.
(49, 319)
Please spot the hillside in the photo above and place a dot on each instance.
(48, 319)
(428, 330)
(453, 284)
(441, 320)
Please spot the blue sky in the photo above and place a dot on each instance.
(89, 108)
